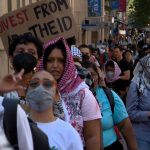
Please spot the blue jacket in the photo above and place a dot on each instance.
(138, 106)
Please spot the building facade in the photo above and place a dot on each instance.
(90, 29)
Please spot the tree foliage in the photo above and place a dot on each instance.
(139, 13)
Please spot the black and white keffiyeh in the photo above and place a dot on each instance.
(142, 74)
(76, 52)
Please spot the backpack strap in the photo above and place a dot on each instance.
(40, 139)
(110, 97)
(10, 121)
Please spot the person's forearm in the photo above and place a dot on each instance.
(93, 135)
(128, 134)
(10, 82)
(93, 144)
(124, 77)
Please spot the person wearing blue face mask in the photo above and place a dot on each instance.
(41, 95)
(110, 74)
(113, 72)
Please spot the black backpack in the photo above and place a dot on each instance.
(40, 139)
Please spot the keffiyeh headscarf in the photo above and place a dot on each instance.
(70, 79)
(76, 52)
(142, 73)
(116, 73)
(70, 86)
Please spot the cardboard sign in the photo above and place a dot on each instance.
(46, 20)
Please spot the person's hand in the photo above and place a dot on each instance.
(10, 82)
(149, 114)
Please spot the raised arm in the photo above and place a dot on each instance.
(10, 82)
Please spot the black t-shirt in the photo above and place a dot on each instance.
(131, 66)
(124, 66)
(117, 86)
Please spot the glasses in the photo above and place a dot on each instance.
(46, 83)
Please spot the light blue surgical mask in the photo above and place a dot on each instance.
(40, 98)
(110, 74)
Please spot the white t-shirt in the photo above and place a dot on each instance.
(61, 135)
(4, 145)
(25, 141)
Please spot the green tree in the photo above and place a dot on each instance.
(139, 13)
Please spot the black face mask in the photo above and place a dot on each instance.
(24, 61)
(85, 57)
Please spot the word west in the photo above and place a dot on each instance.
(14, 20)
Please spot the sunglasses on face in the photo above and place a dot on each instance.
(46, 83)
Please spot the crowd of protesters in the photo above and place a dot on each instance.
(70, 97)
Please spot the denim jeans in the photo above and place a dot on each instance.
(143, 145)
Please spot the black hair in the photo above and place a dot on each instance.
(89, 64)
(98, 51)
(85, 46)
(60, 45)
(119, 47)
(24, 39)
(71, 41)
(109, 63)
(140, 44)
(128, 51)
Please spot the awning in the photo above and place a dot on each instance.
(90, 27)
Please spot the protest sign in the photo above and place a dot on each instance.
(46, 20)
